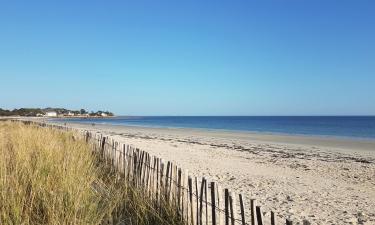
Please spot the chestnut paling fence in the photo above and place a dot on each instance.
(196, 201)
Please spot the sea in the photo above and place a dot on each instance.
(358, 127)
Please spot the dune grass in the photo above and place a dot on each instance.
(49, 177)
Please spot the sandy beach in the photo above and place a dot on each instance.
(323, 180)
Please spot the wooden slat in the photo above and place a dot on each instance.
(116, 155)
(135, 171)
(179, 192)
(111, 154)
(147, 174)
(142, 170)
(259, 215)
(150, 177)
(226, 200)
(206, 199)
(103, 146)
(124, 160)
(190, 186)
(213, 203)
(167, 180)
(185, 196)
(175, 185)
(170, 184)
(201, 201)
(162, 177)
(252, 214)
(242, 208)
(153, 176)
(157, 181)
(87, 137)
(220, 203)
(232, 208)
(272, 218)
(128, 163)
(196, 201)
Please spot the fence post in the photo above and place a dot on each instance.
(213, 205)
(166, 187)
(102, 147)
(233, 209)
(242, 210)
(220, 214)
(124, 160)
(206, 199)
(272, 218)
(179, 207)
(87, 136)
(196, 201)
(203, 184)
(259, 216)
(157, 181)
(190, 186)
(252, 211)
(185, 197)
(226, 199)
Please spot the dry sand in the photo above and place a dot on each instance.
(323, 180)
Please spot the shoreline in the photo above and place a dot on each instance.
(335, 142)
(353, 138)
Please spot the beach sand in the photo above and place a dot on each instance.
(323, 180)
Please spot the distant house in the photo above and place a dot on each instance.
(70, 113)
(51, 114)
(104, 114)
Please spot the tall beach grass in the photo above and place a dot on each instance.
(49, 177)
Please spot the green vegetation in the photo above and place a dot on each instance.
(99, 113)
(61, 181)
(21, 112)
(59, 111)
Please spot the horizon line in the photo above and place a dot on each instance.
(344, 115)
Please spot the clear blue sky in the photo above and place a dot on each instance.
(190, 57)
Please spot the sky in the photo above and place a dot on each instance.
(281, 57)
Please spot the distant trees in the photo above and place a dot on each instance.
(101, 113)
(21, 112)
(59, 111)
(5, 112)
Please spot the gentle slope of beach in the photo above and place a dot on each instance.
(323, 180)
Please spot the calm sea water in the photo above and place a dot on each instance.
(339, 126)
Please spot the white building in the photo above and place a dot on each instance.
(51, 114)
(104, 114)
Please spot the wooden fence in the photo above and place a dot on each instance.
(196, 201)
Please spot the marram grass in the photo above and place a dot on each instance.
(48, 177)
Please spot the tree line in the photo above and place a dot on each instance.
(59, 111)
